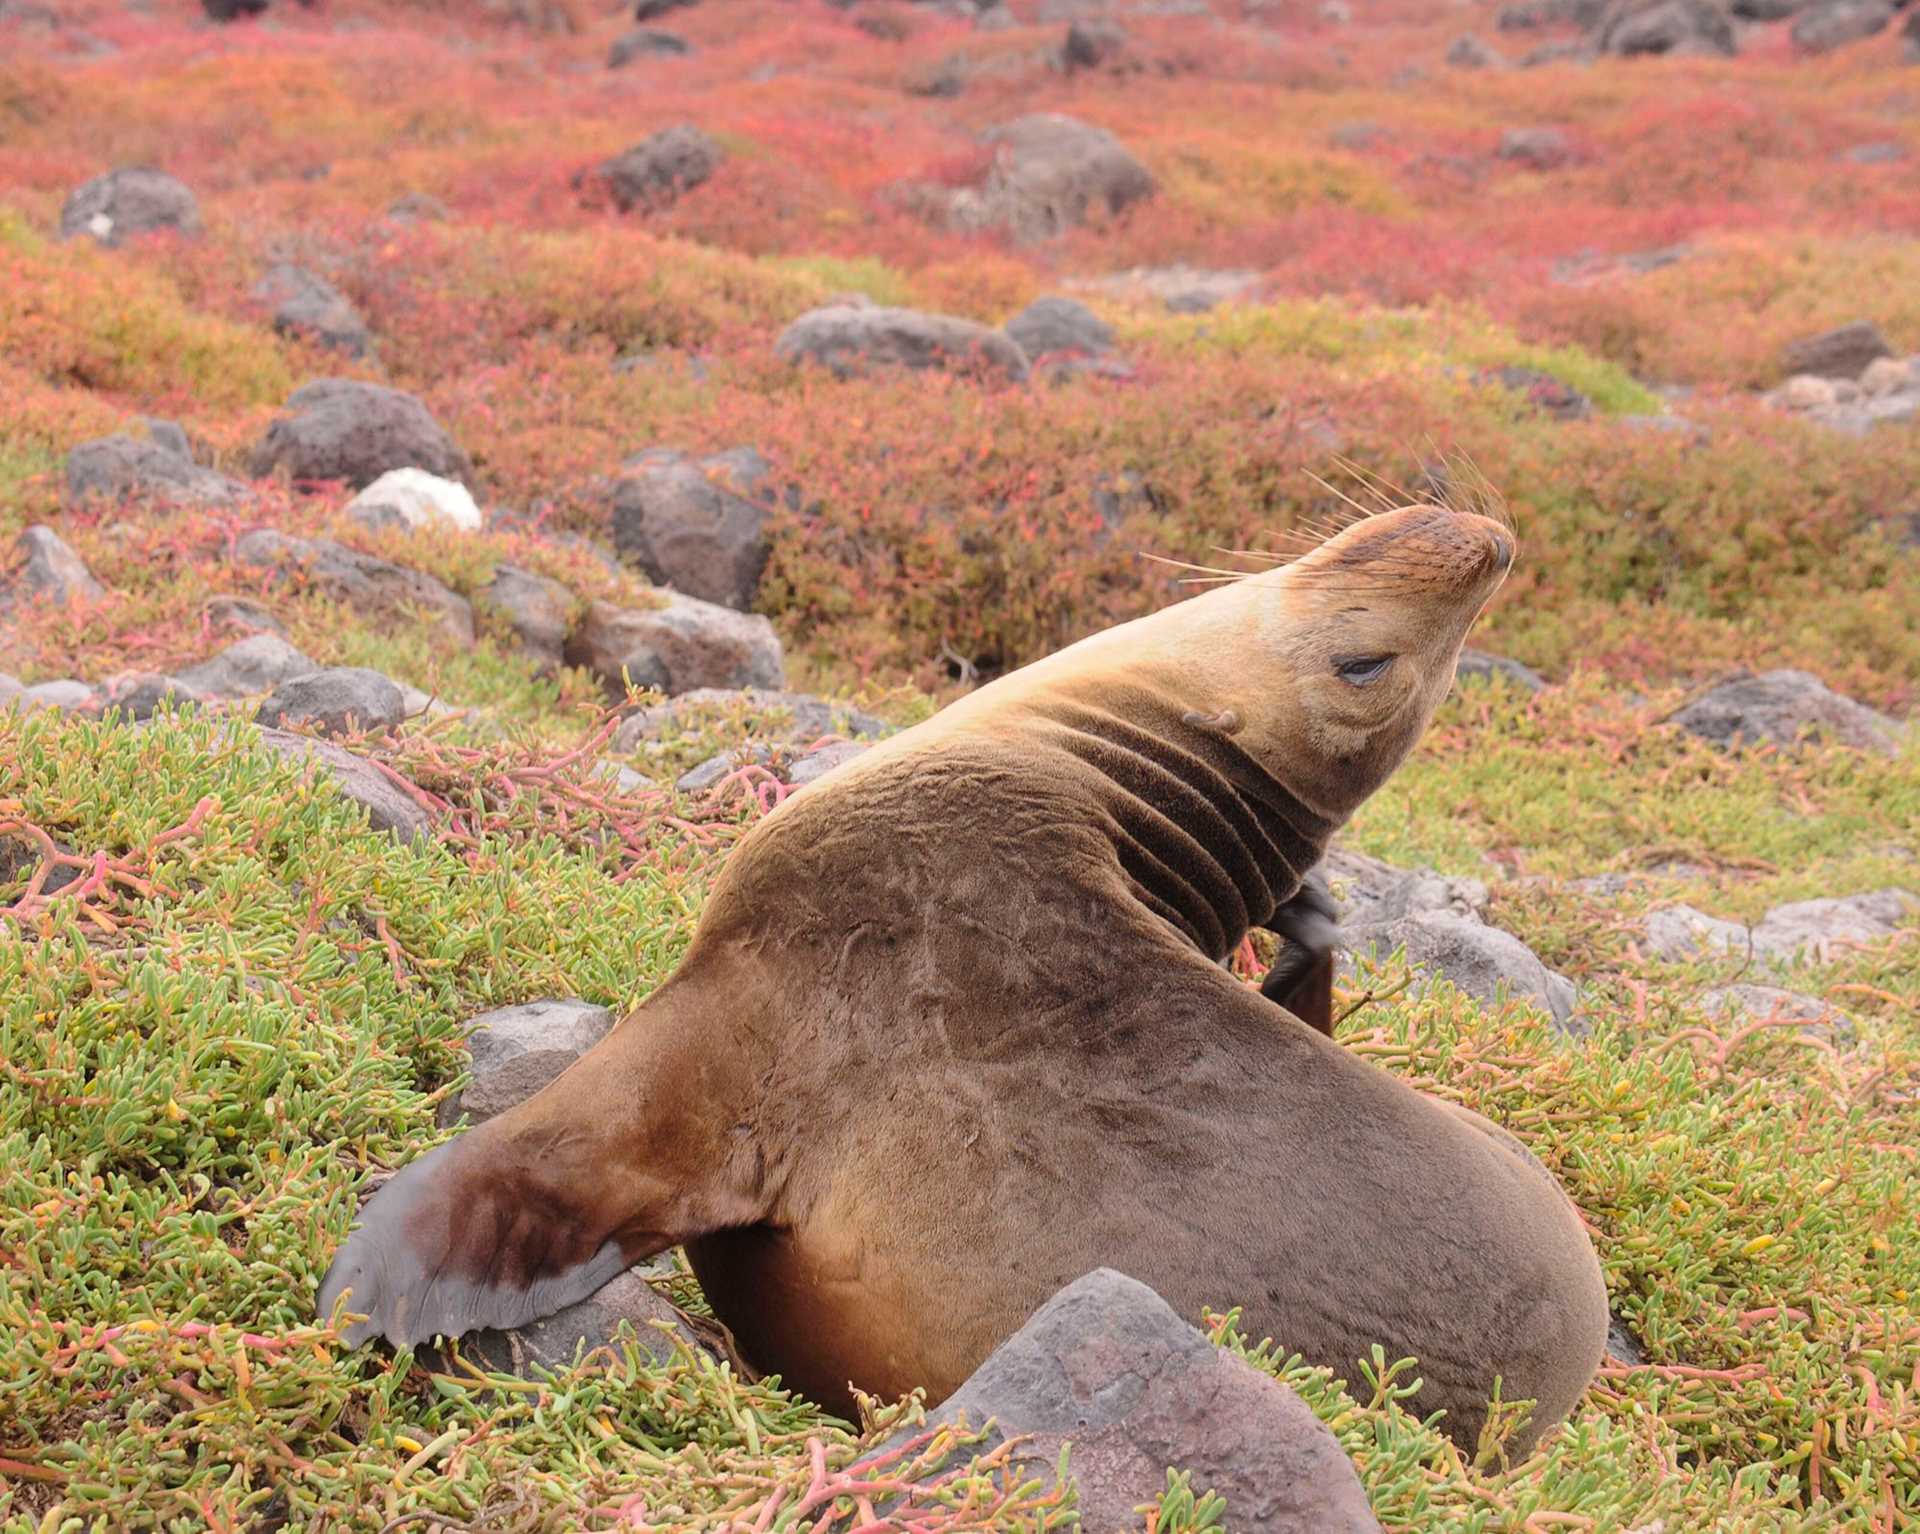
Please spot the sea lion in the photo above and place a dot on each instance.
(952, 1031)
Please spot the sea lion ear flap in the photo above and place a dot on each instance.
(1301, 979)
(453, 1243)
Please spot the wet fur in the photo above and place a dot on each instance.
(952, 1032)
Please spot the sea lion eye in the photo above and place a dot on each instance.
(1362, 669)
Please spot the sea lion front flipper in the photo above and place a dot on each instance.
(1301, 979)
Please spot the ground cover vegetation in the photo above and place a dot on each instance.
(250, 1001)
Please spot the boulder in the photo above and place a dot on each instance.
(170, 435)
(342, 429)
(1479, 666)
(124, 203)
(311, 308)
(133, 695)
(1845, 352)
(341, 700)
(373, 587)
(122, 468)
(1092, 43)
(658, 171)
(1833, 24)
(515, 1051)
(1469, 52)
(787, 718)
(555, 1341)
(232, 10)
(683, 644)
(1369, 893)
(696, 525)
(413, 498)
(241, 615)
(1478, 959)
(539, 610)
(1106, 1371)
(10, 688)
(705, 775)
(815, 765)
(1886, 376)
(1060, 328)
(1633, 27)
(1767, 10)
(66, 694)
(52, 572)
(1812, 929)
(1536, 148)
(388, 806)
(1782, 708)
(1050, 173)
(851, 339)
(645, 44)
(650, 10)
(256, 664)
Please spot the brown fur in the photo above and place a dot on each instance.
(952, 1032)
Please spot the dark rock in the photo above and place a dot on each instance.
(1469, 52)
(650, 10)
(851, 340)
(1841, 353)
(1778, 708)
(1632, 27)
(1092, 43)
(657, 171)
(20, 860)
(554, 1341)
(229, 10)
(1536, 148)
(644, 44)
(140, 694)
(1477, 665)
(941, 80)
(342, 429)
(681, 645)
(341, 700)
(389, 807)
(242, 615)
(52, 572)
(1767, 10)
(515, 1051)
(254, 665)
(1107, 1368)
(1477, 959)
(1835, 23)
(790, 718)
(311, 307)
(129, 469)
(1622, 1344)
(125, 203)
(376, 588)
(540, 610)
(696, 525)
(1543, 391)
(1057, 327)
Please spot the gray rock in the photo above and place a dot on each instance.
(1476, 958)
(388, 807)
(242, 615)
(1768, 1003)
(1468, 52)
(1536, 148)
(815, 765)
(340, 700)
(133, 695)
(681, 645)
(1781, 708)
(127, 468)
(1479, 666)
(124, 203)
(650, 10)
(1106, 1370)
(1767, 10)
(1092, 43)
(418, 208)
(1052, 173)
(1054, 327)
(52, 572)
(515, 1051)
(851, 340)
(1879, 152)
(697, 525)
(698, 779)
(1634, 27)
(254, 665)
(1624, 1346)
(625, 779)
(66, 694)
(1815, 930)
(1542, 391)
(1370, 893)
(658, 171)
(10, 688)
(554, 1341)
(645, 44)
(1840, 353)
(342, 429)
(20, 860)
(540, 611)
(782, 718)
(375, 588)
(1822, 28)
(305, 305)
(171, 436)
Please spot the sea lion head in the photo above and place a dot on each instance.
(1335, 662)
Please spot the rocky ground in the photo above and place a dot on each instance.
(463, 466)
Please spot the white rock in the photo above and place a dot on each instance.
(1887, 375)
(1806, 392)
(417, 499)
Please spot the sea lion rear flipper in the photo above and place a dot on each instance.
(1301, 979)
